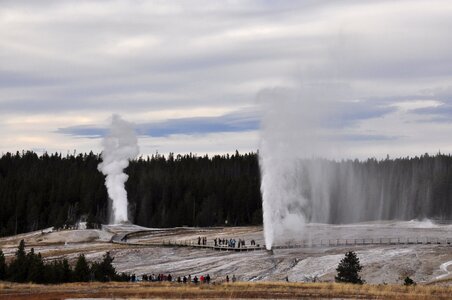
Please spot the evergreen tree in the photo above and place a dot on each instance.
(3, 266)
(31, 268)
(20, 252)
(18, 269)
(104, 271)
(66, 271)
(36, 267)
(81, 271)
(53, 272)
(348, 269)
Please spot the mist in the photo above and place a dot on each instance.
(119, 146)
(300, 128)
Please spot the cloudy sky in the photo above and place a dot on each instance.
(190, 74)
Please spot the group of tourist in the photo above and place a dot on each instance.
(162, 277)
(224, 242)
(202, 240)
(232, 242)
(234, 279)
(153, 277)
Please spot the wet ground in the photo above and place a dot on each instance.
(381, 263)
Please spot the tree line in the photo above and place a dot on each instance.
(30, 267)
(38, 192)
(388, 189)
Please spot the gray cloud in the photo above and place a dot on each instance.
(99, 57)
(437, 114)
(368, 137)
(232, 122)
(349, 113)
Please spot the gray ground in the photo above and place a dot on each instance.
(381, 263)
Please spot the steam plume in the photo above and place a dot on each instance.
(292, 129)
(119, 146)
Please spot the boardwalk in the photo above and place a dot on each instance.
(124, 240)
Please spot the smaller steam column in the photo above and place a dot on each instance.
(119, 146)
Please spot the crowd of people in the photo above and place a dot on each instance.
(203, 279)
(169, 278)
(224, 242)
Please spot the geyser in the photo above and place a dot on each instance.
(299, 126)
(289, 134)
(305, 178)
(119, 146)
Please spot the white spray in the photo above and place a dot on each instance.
(292, 129)
(119, 146)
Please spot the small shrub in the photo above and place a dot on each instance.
(408, 281)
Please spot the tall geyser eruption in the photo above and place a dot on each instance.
(309, 174)
(119, 146)
(289, 134)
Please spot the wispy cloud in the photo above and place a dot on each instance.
(368, 137)
(233, 122)
(439, 114)
(350, 113)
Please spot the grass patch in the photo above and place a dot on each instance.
(262, 290)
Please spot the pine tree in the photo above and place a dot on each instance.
(81, 271)
(36, 267)
(2, 266)
(53, 272)
(108, 270)
(66, 271)
(104, 271)
(18, 270)
(348, 269)
(20, 253)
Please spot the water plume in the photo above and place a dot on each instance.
(119, 146)
(293, 128)
(308, 136)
